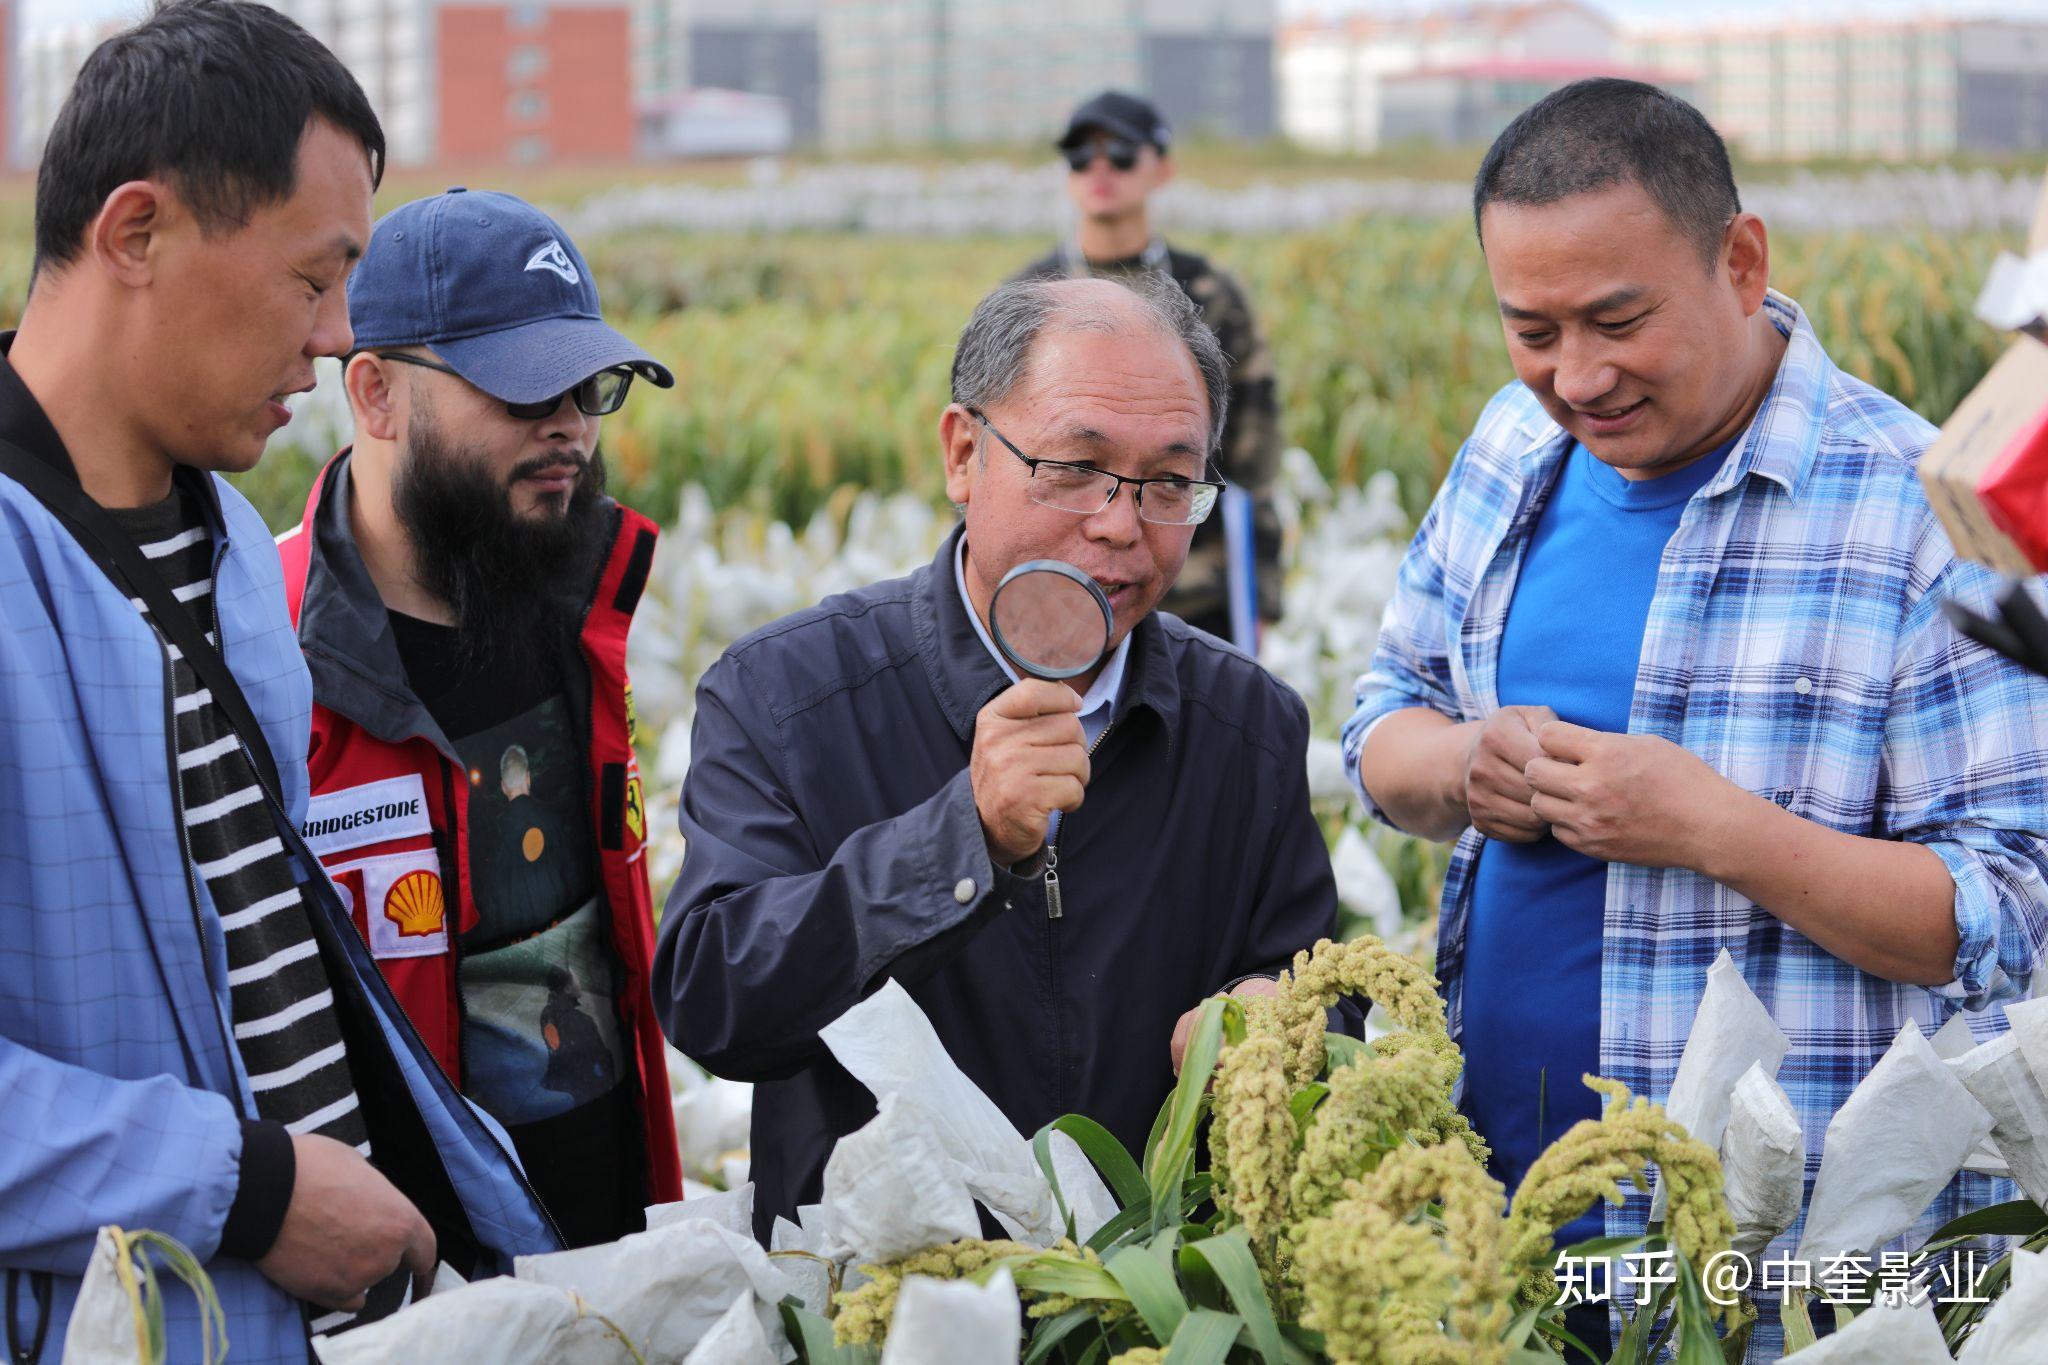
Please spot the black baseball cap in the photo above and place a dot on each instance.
(1121, 115)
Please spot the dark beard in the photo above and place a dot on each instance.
(505, 578)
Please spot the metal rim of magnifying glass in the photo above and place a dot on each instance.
(1065, 570)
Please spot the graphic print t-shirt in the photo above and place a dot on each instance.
(542, 1049)
(538, 974)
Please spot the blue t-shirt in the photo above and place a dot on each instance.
(1573, 641)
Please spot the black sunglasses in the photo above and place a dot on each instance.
(600, 395)
(1121, 151)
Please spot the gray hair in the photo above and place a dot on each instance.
(995, 346)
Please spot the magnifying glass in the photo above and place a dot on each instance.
(1050, 620)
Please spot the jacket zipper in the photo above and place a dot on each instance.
(1055, 904)
(452, 874)
(1055, 910)
(649, 1090)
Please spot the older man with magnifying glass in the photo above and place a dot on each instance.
(892, 784)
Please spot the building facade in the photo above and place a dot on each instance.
(1334, 76)
(40, 69)
(1208, 65)
(1866, 90)
(1470, 105)
(755, 47)
(1008, 72)
(452, 81)
(460, 82)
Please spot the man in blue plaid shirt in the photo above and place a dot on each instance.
(1667, 659)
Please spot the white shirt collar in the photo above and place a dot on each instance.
(1101, 694)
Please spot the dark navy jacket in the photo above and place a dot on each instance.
(834, 843)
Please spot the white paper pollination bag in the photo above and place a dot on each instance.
(665, 1290)
(1881, 1336)
(1763, 1161)
(1896, 1141)
(937, 1136)
(956, 1322)
(1731, 1032)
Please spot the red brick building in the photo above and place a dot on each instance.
(467, 83)
(534, 83)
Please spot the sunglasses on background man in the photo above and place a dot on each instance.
(1121, 151)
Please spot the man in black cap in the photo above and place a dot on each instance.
(1119, 152)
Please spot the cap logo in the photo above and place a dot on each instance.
(552, 258)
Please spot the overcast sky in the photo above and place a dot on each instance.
(43, 13)
(1663, 11)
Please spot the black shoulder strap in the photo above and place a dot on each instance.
(118, 558)
(39, 1285)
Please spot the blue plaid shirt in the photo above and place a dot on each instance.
(1796, 643)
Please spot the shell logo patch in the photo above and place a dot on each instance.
(403, 910)
(414, 903)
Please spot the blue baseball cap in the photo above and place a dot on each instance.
(496, 288)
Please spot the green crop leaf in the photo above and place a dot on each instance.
(1342, 1049)
(1698, 1343)
(1052, 1273)
(1799, 1332)
(1305, 1101)
(1054, 1331)
(1229, 1257)
(1152, 1289)
(1205, 1338)
(1100, 1146)
(1167, 1161)
(1121, 1228)
(2019, 1218)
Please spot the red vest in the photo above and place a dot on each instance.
(390, 823)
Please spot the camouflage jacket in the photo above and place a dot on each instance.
(1251, 433)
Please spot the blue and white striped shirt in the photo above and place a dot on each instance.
(1796, 643)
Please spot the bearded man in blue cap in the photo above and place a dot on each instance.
(463, 588)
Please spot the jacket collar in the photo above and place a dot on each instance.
(965, 677)
(23, 422)
(1785, 433)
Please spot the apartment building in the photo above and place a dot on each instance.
(1334, 76)
(971, 72)
(1866, 89)
(460, 82)
(452, 81)
(756, 47)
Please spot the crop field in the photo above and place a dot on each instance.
(806, 363)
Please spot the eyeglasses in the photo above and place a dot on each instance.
(1085, 490)
(600, 395)
(1121, 151)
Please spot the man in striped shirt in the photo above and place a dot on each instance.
(192, 1039)
(283, 1010)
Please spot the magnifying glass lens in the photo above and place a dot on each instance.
(1050, 620)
